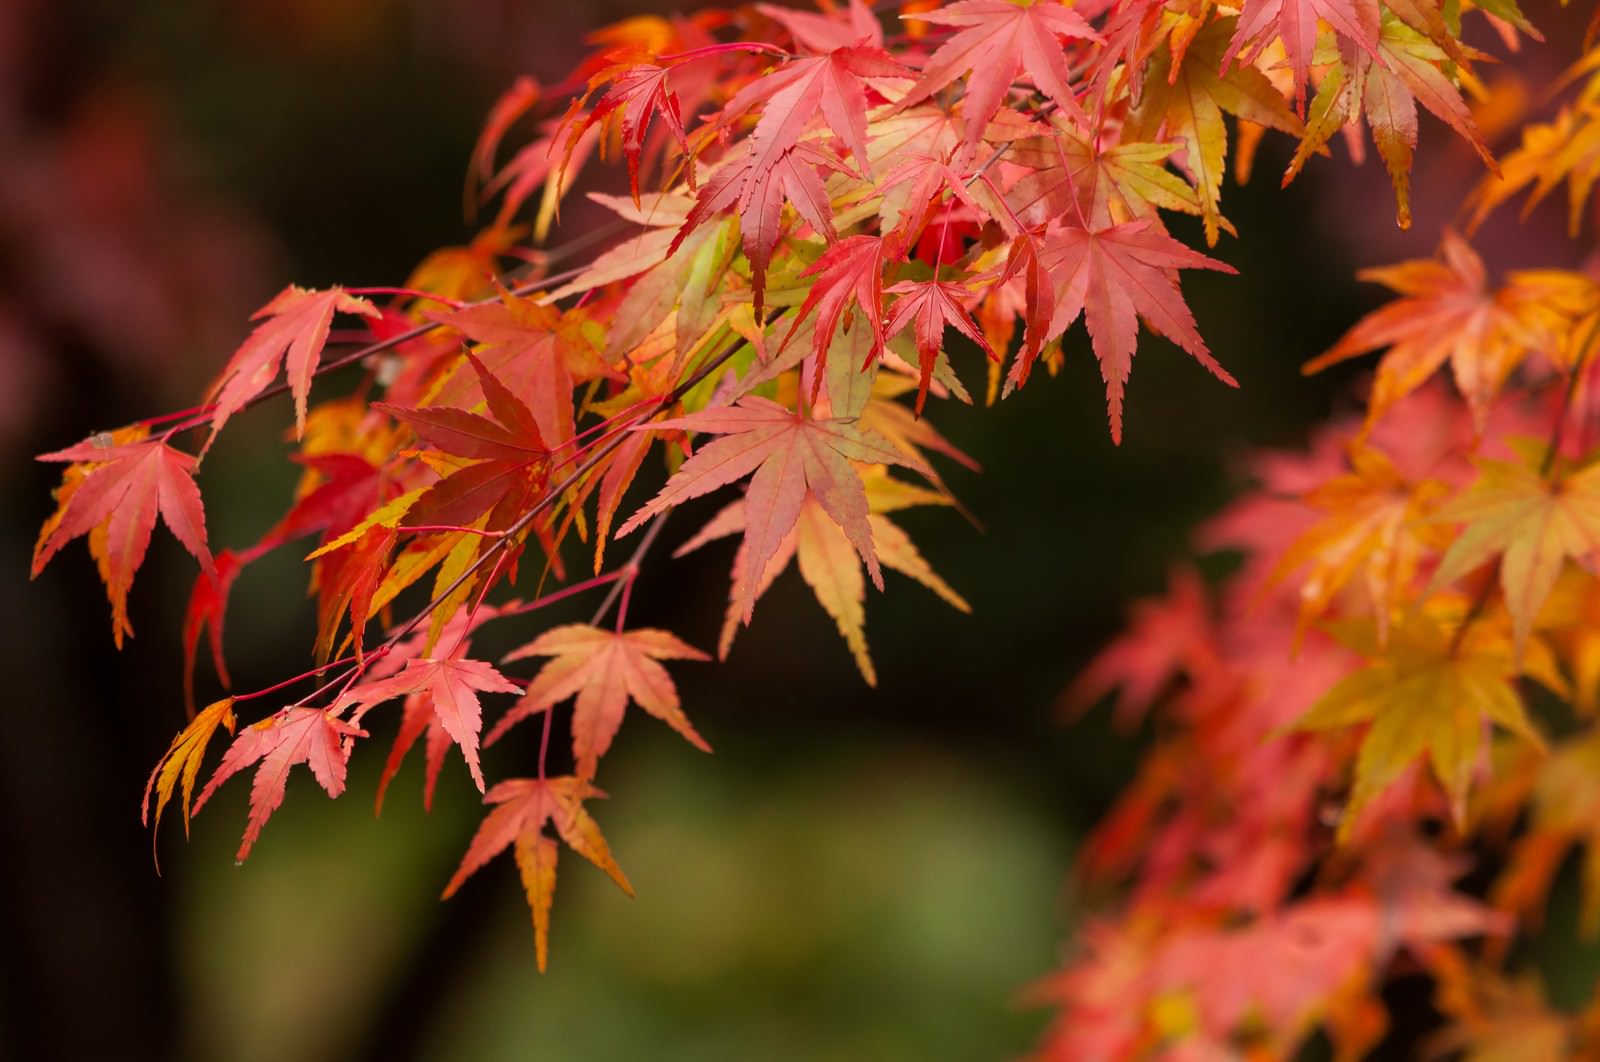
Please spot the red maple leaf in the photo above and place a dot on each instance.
(513, 104)
(1116, 276)
(849, 271)
(512, 462)
(522, 807)
(605, 669)
(638, 92)
(115, 504)
(539, 354)
(830, 84)
(826, 33)
(447, 691)
(1000, 40)
(316, 737)
(789, 453)
(928, 307)
(297, 325)
(208, 606)
(1295, 23)
(794, 175)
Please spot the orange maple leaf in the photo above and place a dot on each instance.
(829, 565)
(522, 807)
(1446, 313)
(605, 669)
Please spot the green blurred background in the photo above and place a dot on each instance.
(856, 873)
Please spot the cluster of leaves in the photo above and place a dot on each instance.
(815, 204)
(1401, 681)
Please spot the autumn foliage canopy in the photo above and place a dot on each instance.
(837, 220)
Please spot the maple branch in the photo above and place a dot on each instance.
(560, 595)
(426, 529)
(630, 572)
(1558, 429)
(1475, 611)
(760, 47)
(198, 416)
(602, 450)
(622, 583)
(291, 681)
(410, 293)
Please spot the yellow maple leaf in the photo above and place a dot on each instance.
(1532, 521)
(182, 760)
(1428, 693)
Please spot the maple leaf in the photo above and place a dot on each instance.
(316, 737)
(605, 669)
(850, 270)
(450, 688)
(828, 563)
(1446, 313)
(1532, 521)
(1566, 148)
(1385, 87)
(1294, 22)
(1372, 523)
(181, 762)
(537, 352)
(511, 462)
(1186, 96)
(790, 454)
(115, 502)
(830, 84)
(913, 190)
(1115, 277)
(794, 175)
(1001, 39)
(1429, 693)
(930, 306)
(1166, 637)
(637, 94)
(297, 326)
(1119, 182)
(522, 807)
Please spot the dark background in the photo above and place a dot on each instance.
(856, 873)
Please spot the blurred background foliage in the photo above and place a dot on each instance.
(856, 874)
